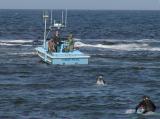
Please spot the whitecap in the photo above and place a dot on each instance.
(130, 111)
(16, 41)
(122, 46)
(6, 44)
(149, 113)
(22, 53)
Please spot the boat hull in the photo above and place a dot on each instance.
(65, 58)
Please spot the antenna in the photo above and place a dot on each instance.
(54, 22)
(51, 16)
(60, 24)
(62, 18)
(45, 17)
(66, 19)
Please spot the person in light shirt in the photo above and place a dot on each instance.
(100, 80)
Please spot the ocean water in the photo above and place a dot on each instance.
(124, 47)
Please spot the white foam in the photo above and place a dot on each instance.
(79, 44)
(16, 41)
(7, 44)
(154, 49)
(23, 53)
(149, 40)
(126, 40)
(125, 47)
(150, 113)
(130, 111)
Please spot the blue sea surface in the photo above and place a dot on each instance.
(124, 47)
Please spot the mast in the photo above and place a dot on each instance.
(45, 17)
(66, 19)
(62, 18)
(51, 16)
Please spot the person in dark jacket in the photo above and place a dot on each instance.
(146, 105)
(57, 40)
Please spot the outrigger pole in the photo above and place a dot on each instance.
(45, 17)
(51, 16)
(66, 19)
(62, 18)
(63, 21)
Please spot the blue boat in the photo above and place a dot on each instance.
(63, 55)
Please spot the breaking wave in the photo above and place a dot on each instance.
(137, 45)
(113, 44)
(16, 42)
(128, 41)
(22, 53)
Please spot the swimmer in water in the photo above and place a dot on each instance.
(100, 80)
(146, 105)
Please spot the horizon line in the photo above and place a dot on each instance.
(80, 9)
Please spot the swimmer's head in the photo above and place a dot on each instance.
(100, 77)
(145, 97)
(100, 80)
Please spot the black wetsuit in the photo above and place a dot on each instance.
(147, 105)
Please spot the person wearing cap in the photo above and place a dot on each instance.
(100, 80)
(146, 105)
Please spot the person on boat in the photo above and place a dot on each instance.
(57, 40)
(51, 45)
(146, 105)
(70, 43)
(100, 80)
